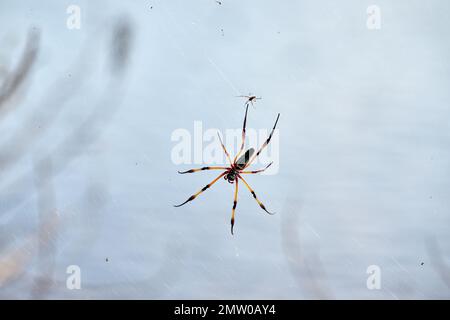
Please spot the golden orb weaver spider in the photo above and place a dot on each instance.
(237, 167)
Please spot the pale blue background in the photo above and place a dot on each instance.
(364, 150)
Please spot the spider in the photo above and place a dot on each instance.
(250, 99)
(234, 172)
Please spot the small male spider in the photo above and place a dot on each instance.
(250, 99)
(237, 167)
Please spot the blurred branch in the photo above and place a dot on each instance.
(305, 265)
(437, 260)
(15, 261)
(47, 234)
(122, 38)
(17, 77)
(88, 131)
(58, 95)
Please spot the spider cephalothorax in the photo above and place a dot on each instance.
(237, 167)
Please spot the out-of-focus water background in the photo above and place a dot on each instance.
(87, 177)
